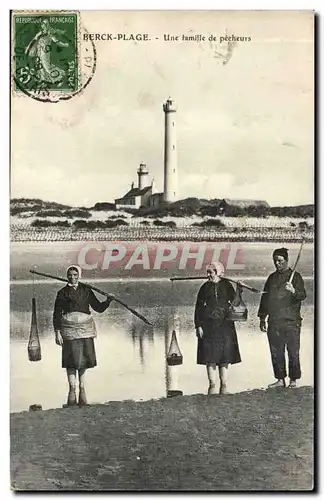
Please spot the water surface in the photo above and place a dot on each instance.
(131, 355)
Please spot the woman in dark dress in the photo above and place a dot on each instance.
(217, 339)
(75, 330)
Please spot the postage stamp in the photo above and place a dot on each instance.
(48, 64)
(162, 225)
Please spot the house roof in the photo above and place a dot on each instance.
(136, 192)
(245, 203)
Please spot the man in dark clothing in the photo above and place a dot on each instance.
(281, 303)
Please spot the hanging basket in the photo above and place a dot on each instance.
(34, 347)
(34, 353)
(174, 356)
(238, 310)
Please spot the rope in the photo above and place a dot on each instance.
(172, 300)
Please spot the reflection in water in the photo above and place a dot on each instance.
(131, 356)
(143, 336)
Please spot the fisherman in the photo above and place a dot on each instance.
(281, 303)
(217, 339)
(75, 331)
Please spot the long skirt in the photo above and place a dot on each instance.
(219, 344)
(79, 354)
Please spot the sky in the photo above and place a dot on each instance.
(244, 129)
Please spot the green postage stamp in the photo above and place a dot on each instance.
(47, 63)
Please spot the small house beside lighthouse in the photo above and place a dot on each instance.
(146, 194)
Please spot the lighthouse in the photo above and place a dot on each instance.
(142, 173)
(170, 153)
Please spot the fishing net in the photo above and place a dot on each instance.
(174, 356)
(34, 347)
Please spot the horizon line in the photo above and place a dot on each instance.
(177, 201)
(131, 278)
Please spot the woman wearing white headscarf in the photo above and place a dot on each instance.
(75, 330)
(217, 339)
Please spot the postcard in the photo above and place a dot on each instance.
(162, 250)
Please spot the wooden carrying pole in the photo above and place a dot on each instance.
(296, 263)
(99, 291)
(243, 285)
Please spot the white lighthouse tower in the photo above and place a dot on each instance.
(170, 153)
(142, 173)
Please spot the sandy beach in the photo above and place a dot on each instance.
(256, 441)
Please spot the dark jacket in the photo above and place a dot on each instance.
(277, 302)
(219, 343)
(70, 300)
(208, 308)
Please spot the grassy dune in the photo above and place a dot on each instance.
(161, 234)
(190, 219)
(259, 440)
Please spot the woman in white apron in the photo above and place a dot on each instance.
(75, 331)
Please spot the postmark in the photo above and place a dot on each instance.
(223, 49)
(49, 61)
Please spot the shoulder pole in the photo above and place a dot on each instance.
(296, 263)
(239, 283)
(140, 316)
